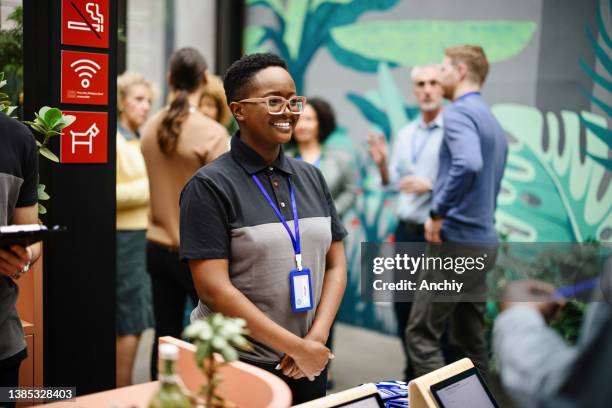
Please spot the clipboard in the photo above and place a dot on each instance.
(27, 234)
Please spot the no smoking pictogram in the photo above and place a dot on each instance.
(85, 22)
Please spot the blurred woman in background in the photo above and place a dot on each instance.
(134, 309)
(176, 142)
(314, 127)
(316, 124)
(213, 102)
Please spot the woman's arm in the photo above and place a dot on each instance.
(212, 282)
(348, 195)
(334, 284)
(130, 166)
(13, 260)
(133, 193)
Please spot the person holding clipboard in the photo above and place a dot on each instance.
(18, 205)
(261, 233)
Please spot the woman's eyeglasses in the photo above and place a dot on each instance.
(277, 104)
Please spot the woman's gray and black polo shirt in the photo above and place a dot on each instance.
(224, 215)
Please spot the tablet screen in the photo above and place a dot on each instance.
(369, 401)
(466, 389)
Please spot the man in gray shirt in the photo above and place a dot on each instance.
(537, 367)
(412, 171)
(18, 205)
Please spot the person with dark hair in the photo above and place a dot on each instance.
(314, 127)
(538, 368)
(175, 143)
(262, 236)
(18, 205)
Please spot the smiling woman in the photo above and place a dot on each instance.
(259, 104)
(261, 234)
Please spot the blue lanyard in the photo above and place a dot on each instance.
(295, 240)
(416, 153)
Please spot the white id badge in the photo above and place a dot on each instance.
(301, 290)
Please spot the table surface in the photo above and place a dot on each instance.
(134, 396)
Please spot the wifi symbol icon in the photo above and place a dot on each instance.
(85, 69)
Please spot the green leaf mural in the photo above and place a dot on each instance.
(552, 193)
(373, 218)
(304, 27)
(384, 108)
(275, 5)
(410, 43)
(254, 36)
(602, 56)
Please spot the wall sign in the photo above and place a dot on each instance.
(84, 78)
(85, 22)
(86, 139)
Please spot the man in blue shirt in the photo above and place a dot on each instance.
(472, 160)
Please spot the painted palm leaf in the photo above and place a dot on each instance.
(552, 193)
(409, 42)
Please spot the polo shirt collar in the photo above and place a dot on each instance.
(437, 122)
(251, 161)
(127, 134)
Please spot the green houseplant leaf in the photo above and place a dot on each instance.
(42, 194)
(49, 154)
(215, 334)
(52, 116)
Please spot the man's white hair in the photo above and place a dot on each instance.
(418, 68)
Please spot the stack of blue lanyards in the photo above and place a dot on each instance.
(393, 393)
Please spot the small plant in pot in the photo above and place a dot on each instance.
(216, 335)
(49, 122)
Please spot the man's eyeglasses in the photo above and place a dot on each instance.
(277, 104)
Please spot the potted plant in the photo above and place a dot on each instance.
(48, 122)
(216, 335)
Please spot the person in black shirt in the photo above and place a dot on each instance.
(241, 255)
(18, 205)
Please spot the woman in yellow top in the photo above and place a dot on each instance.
(134, 309)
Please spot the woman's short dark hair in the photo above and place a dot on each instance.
(325, 116)
(238, 76)
(187, 68)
